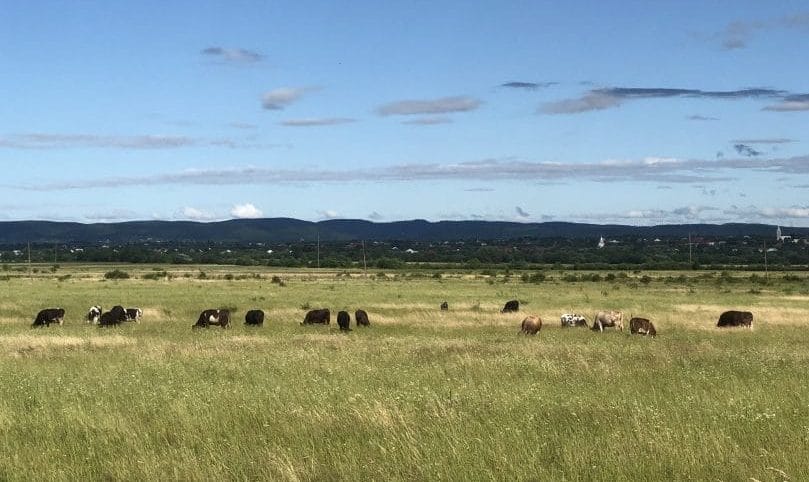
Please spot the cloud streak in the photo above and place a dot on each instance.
(317, 121)
(610, 97)
(528, 85)
(237, 56)
(279, 99)
(96, 141)
(443, 105)
(657, 170)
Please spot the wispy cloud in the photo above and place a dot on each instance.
(521, 212)
(328, 214)
(606, 98)
(444, 105)
(98, 141)
(768, 213)
(697, 117)
(746, 150)
(375, 216)
(317, 121)
(652, 169)
(428, 121)
(769, 140)
(240, 56)
(528, 85)
(280, 98)
(791, 103)
(739, 34)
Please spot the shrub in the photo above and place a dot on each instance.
(116, 274)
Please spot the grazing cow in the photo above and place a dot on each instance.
(49, 315)
(444, 306)
(115, 316)
(735, 318)
(641, 326)
(344, 321)
(606, 319)
(254, 317)
(213, 317)
(511, 306)
(531, 325)
(134, 314)
(572, 320)
(362, 318)
(94, 314)
(317, 316)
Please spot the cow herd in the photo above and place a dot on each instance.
(531, 325)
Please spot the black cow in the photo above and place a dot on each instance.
(254, 317)
(49, 315)
(735, 318)
(317, 316)
(641, 326)
(344, 321)
(511, 306)
(134, 314)
(115, 316)
(444, 306)
(213, 317)
(362, 318)
(94, 314)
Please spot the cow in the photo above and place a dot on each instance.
(642, 326)
(94, 314)
(134, 314)
(511, 306)
(49, 315)
(604, 319)
(572, 320)
(344, 321)
(362, 318)
(114, 317)
(444, 306)
(735, 318)
(213, 317)
(254, 318)
(531, 325)
(317, 316)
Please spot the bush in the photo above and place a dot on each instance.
(116, 274)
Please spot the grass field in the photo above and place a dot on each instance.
(420, 395)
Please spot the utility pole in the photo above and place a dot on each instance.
(766, 270)
(690, 263)
(318, 250)
(30, 276)
(364, 264)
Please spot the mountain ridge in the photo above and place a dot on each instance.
(292, 230)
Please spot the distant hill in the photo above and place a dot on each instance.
(290, 230)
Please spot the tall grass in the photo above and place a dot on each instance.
(421, 394)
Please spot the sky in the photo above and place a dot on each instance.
(629, 112)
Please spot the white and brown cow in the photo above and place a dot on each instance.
(604, 319)
(572, 320)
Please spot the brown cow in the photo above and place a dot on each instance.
(511, 306)
(344, 321)
(641, 326)
(362, 318)
(531, 325)
(735, 318)
(317, 316)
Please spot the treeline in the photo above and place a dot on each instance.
(524, 253)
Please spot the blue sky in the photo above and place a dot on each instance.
(627, 112)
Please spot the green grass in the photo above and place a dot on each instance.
(421, 394)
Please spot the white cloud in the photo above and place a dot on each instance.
(246, 211)
(444, 105)
(328, 214)
(195, 214)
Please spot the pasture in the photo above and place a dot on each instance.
(421, 394)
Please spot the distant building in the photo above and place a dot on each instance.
(601, 242)
(779, 237)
